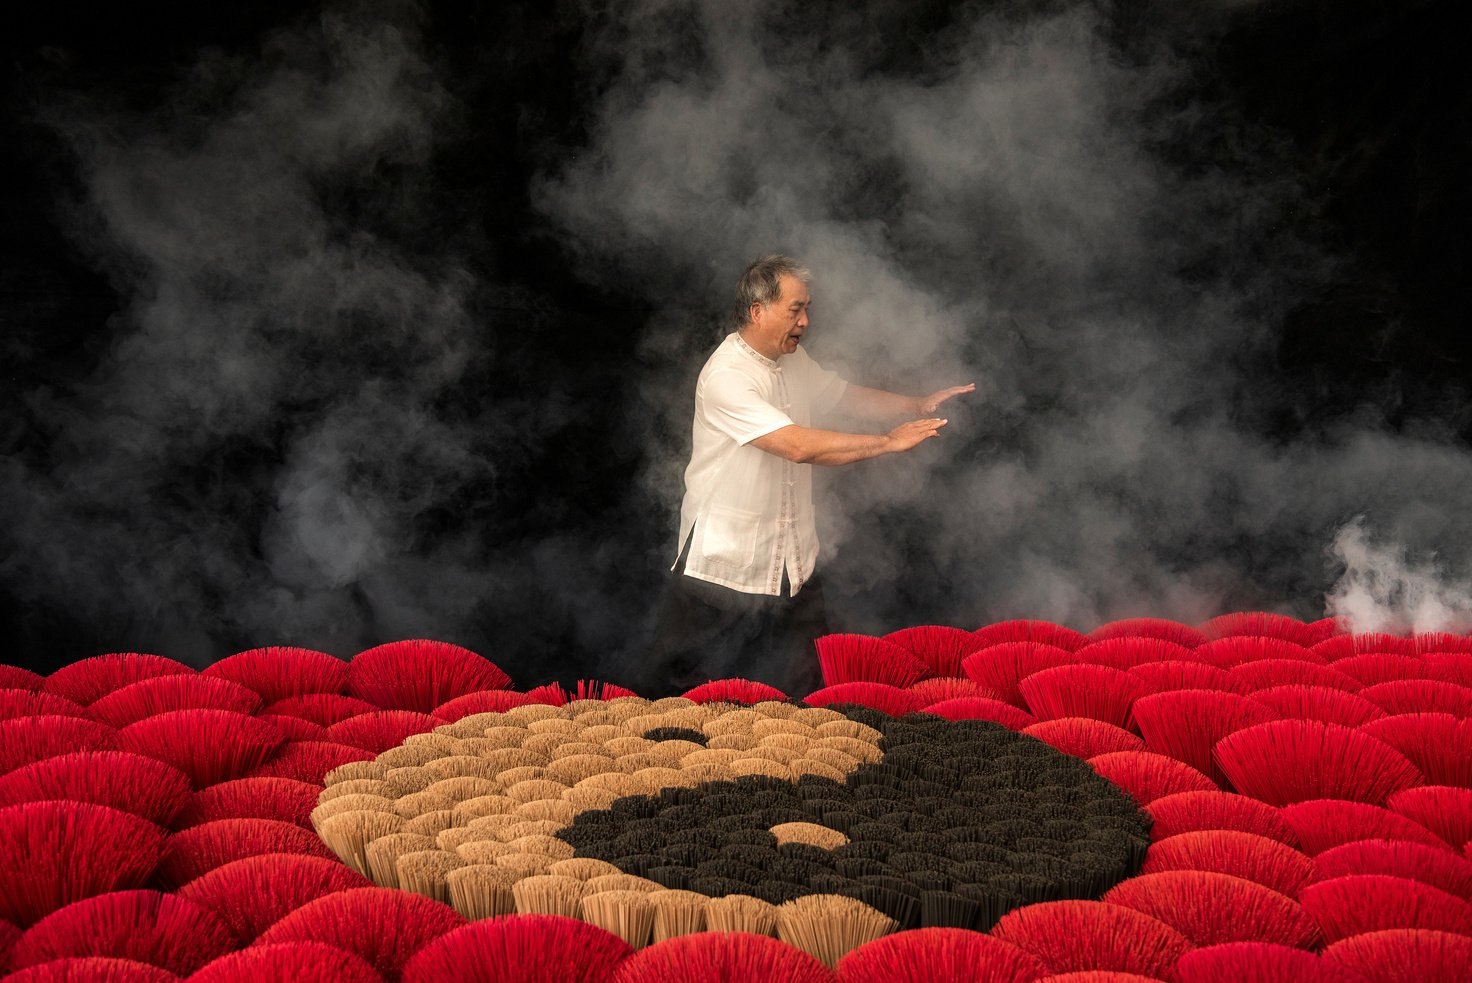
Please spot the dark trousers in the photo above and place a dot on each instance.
(707, 631)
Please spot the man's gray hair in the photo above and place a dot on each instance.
(762, 283)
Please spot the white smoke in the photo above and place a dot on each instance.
(1385, 589)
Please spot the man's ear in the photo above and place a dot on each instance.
(753, 311)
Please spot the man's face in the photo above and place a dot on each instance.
(779, 325)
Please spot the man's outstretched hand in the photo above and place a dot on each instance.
(926, 405)
(907, 435)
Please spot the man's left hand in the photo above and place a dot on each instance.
(927, 405)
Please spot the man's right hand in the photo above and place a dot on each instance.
(907, 435)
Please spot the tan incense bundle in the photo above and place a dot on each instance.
(569, 748)
(622, 882)
(850, 729)
(430, 823)
(584, 797)
(528, 712)
(574, 768)
(350, 803)
(418, 803)
(407, 755)
(628, 745)
(495, 826)
(460, 766)
(851, 746)
(542, 845)
(735, 722)
(477, 747)
(525, 864)
(357, 786)
(470, 725)
(481, 891)
(639, 760)
(506, 758)
(627, 914)
(546, 744)
(792, 742)
(354, 770)
(603, 733)
(669, 703)
(347, 834)
(548, 894)
(443, 743)
(781, 755)
(810, 834)
(812, 766)
(409, 779)
(733, 742)
(690, 718)
(759, 766)
(711, 756)
(614, 781)
(481, 851)
(625, 706)
(829, 926)
(649, 721)
(555, 810)
(503, 737)
(554, 725)
(677, 913)
(770, 726)
(678, 749)
(741, 913)
(844, 763)
(535, 788)
(451, 839)
(776, 708)
(699, 772)
(482, 805)
(384, 852)
(463, 788)
(529, 827)
(584, 708)
(424, 873)
(650, 780)
(525, 773)
(816, 716)
(583, 868)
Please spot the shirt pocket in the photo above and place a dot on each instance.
(729, 536)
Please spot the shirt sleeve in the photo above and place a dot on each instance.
(826, 385)
(734, 407)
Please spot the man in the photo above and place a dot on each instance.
(744, 601)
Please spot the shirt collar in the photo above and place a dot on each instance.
(768, 362)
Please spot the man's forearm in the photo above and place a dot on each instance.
(877, 405)
(830, 448)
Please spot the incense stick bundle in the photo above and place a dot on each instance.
(741, 913)
(829, 926)
(430, 823)
(627, 914)
(424, 872)
(481, 891)
(383, 855)
(352, 802)
(677, 913)
(548, 894)
(347, 834)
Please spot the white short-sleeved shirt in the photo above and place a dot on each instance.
(752, 512)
